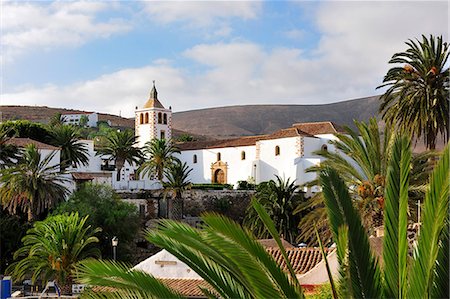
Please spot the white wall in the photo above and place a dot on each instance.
(238, 170)
(282, 165)
(74, 119)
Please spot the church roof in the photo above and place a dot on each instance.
(153, 101)
(23, 142)
(322, 127)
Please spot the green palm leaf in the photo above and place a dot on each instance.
(435, 213)
(363, 268)
(395, 247)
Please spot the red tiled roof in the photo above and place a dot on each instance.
(77, 112)
(23, 142)
(300, 129)
(269, 243)
(302, 259)
(187, 287)
(323, 127)
(84, 176)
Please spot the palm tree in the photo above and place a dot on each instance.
(73, 152)
(160, 154)
(53, 247)
(364, 170)
(121, 147)
(417, 96)
(279, 198)
(177, 181)
(425, 273)
(227, 257)
(33, 184)
(57, 120)
(9, 153)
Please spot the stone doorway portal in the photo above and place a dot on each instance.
(219, 172)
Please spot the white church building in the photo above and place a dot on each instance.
(286, 153)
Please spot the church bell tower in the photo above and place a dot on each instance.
(153, 120)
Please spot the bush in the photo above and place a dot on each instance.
(107, 211)
(245, 185)
(27, 129)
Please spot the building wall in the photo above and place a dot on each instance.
(237, 169)
(74, 119)
(271, 164)
(147, 131)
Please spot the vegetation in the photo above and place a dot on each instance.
(12, 229)
(364, 171)
(32, 184)
(26, 129)
(159, 155)
(417, 98)
(177, 181)
(53, 247)
(9, 153)
(227, 257)
(73, 152)
(121, 147)
(185, 138)
(57, 120)
(108, 212)
(424, 274)
(279, 198)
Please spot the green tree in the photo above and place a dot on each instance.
(177, 175)
(228, 257)
(84, 119)
(33, 184)
(107, 211)
(425, 273)
(363, 168)
(159, 155)
(53, 247)
(12, 229)
(57, 120)
(26, 129)
(417, 98)
(9, 153)
(73, 151)
(185, 138)
(121, 146)
(279, 198)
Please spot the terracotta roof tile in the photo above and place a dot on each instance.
(243, 141)
(23, 142)
(302, 259)
(324, 127)
(82, 176)
(187, 287)
(272, 243)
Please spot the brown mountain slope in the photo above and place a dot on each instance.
(229, 121)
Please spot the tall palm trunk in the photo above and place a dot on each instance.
(177, 206)
(119, 166)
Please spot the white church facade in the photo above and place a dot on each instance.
(286, 153)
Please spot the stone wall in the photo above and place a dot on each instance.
(232, 203)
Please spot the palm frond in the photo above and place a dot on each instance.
(363, 269)
(435, 213)
(395, 246)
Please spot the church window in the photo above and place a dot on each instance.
(159, 118)
(165, 118)
(219, 156)
(146, 118)
(141, 118)
(324, 147)
(163, 135)
(277, 150)
(243, 155)
(194, 159)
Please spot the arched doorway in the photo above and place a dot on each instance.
(219, 172)
(219, 176)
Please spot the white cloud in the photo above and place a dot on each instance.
(200, 13)
(349, 61)
(295, 34)
(30, 25)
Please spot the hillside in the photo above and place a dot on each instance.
(229, 121)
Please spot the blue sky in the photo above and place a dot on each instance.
(103, 55)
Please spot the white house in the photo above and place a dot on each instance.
(75, 117)
(286, 153)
